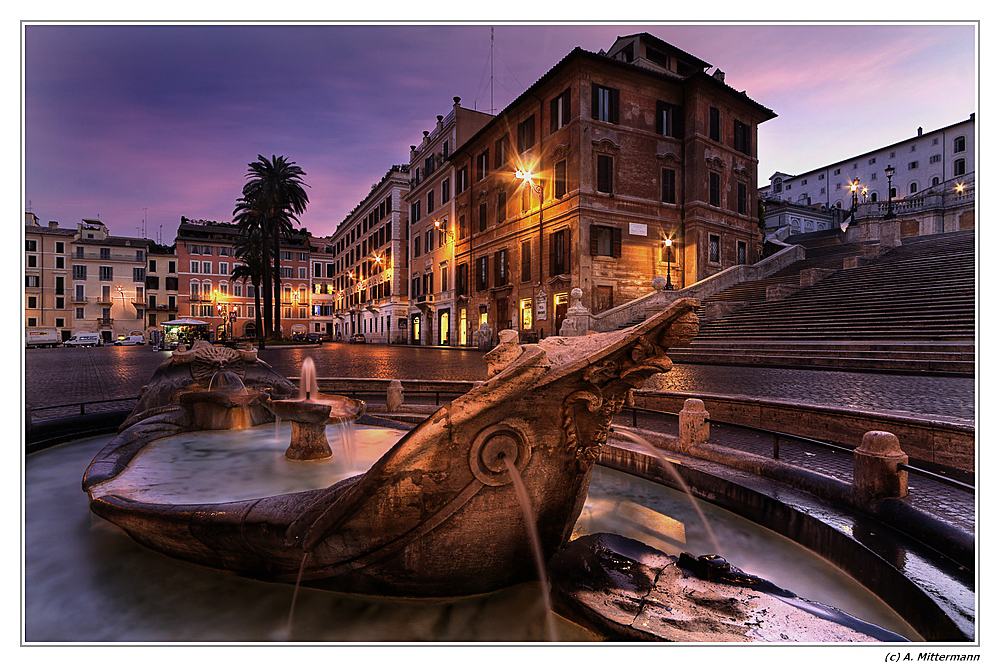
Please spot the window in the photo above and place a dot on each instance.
(482, 273)
(32, 302)
(741, 252)
(482, 165)
(462, 280)
(30, 245)
(959, 144)
(668, 120)
(713, 248)
(500, 152)
(559, 111)
(913, 165)
(500, 268)
(959, 166)
(32, 261)
(741, 137)
(821, 177)
(714, 189)
(461, 180)
(605, 173)
(78, 314)
(935, 181)
(445, 190)
(31, 281)
(429, 240)
(138, 275)
(604, 103)
(713, 123)
(871, 161)
(668, 186)
(107, 273)
(482, 216)
(560, 178)
(605, 241)
(934, 159)
(105, 253)
(836, 172)
(526, 322)
(913, 187)
(430, 201)
(559, 258)
(416, 245)
(78, 295)
(741, 198)
(525, 261)
(526, 134)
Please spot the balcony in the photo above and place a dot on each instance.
(105, 321)
(425, 298)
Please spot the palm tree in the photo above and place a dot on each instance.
(275, 189)
(255, 249)
(252, 249)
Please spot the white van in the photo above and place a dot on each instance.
(47, 337)
(130, 340)
(84, 340)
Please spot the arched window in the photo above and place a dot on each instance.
(960, 144)
(913, 187)
(874, 196)
(959, 166)
(935, 181)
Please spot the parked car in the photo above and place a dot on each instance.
(130, 340)
(84, 340)
(314, 338)
(299, 336)
(47, 337)
(358, 338)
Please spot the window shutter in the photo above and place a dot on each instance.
(593, 240)
(552, 254)
(594, 103)
(614, 105)
(616, 242)
(553, 114)
(496, 269)
(567, 255)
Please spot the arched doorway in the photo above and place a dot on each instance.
(415, 325)
(250, 330)
(444, 328)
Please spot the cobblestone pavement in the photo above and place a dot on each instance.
(916, 394)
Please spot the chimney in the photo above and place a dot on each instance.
(719, 74)
(920, 131)
(53, 224)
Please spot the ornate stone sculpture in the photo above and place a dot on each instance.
(437, 515)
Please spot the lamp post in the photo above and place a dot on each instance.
(526, 177)
(668, 243)
(889, 171)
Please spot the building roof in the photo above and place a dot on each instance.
(579, 53)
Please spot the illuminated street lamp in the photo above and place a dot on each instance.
(889, 171)
(668, 243)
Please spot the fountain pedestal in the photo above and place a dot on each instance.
(309, 417)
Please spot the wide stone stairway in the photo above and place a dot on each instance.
(911, 310)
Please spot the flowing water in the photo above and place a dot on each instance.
(669, 467)
(532, 527)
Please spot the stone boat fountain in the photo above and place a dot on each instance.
(437, 515)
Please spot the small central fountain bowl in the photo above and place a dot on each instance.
(309, 416)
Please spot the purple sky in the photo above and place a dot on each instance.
(123, 122)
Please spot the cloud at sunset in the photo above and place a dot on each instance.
(123, 118)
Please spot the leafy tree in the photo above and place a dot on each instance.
(254, 248)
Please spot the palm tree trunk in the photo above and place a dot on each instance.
(267, 296)
(277, 285)
(257, 321)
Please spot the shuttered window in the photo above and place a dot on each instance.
(604, 103)
(605, 241)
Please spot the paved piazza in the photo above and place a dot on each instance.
(68, 375)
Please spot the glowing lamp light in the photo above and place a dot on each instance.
(523, 174)
(959, 188)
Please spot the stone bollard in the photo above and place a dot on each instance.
(692, 424)
(394, 396)
(876, 468)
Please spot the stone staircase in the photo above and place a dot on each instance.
(911, 310)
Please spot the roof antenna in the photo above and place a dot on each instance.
(492, 108)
